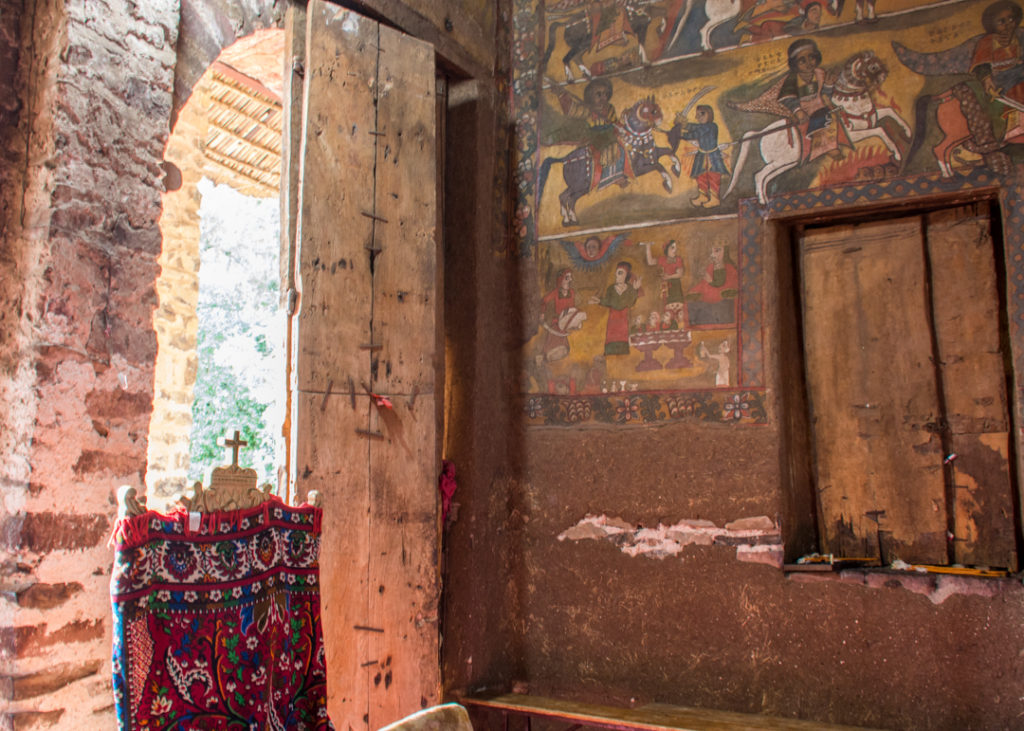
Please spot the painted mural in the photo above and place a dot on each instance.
(648, 131)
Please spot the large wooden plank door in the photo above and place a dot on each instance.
(368, 312)
(967, 338)
(907, 389)
(872, 391)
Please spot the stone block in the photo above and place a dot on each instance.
(28, 641)
(47, 596)
(45, 532)
(760, 523)
(53, 679)
(33, 720)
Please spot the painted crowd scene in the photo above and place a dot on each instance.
(649, 128)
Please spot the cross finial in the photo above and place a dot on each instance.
(235, 444)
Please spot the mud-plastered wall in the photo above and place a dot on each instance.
(663, 152)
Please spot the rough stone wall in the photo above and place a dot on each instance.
(99, 79)
(177, 288)
(88, 89)
(175, 320)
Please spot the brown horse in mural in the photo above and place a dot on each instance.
(588, 30)
(584, 170)
(963, 122)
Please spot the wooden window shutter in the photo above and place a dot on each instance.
(369, 299)
(902, 347)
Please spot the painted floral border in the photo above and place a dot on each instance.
(731, 407)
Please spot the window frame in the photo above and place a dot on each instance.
(799, 506)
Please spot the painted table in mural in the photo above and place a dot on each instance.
(648, 342)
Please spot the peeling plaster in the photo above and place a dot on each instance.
(756, 540)
(936, 588)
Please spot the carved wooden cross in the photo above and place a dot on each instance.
(235, 444)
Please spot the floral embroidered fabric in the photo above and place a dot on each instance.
(217, 621)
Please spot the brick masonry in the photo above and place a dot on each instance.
(82, 179)
(87, 95)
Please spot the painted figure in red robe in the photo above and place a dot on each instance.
(672, 269)
(998, 62)
(721, 279)
(560, 317)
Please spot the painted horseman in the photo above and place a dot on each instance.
(806, 93)
(597, 112)
(974, 92)
(598, 162)
(594, 27)
(821, 113)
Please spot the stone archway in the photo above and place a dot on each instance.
(229, 131)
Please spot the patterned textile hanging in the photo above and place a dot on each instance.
(217, 620)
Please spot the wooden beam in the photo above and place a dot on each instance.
(245, 83)
(398, 14)
(232, 165)
(651, 717)
(245, 141)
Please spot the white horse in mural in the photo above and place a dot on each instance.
(781, 144)
(720, 11)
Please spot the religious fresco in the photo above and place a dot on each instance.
(626, 321)
(906, 93)
(642, 309)
(652, 134)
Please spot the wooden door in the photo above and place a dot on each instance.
(901, 336)
(966, 311)
(369, 298)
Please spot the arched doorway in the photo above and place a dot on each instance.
(220, 330)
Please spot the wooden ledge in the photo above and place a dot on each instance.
(651, 717)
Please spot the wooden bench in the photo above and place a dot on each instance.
(651, 717)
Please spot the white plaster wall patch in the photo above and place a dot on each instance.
(756, 539)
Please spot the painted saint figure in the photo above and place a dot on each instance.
(618, 298)
(998, 62)
(708, 165)
(560, 317)
(598, 112)
(712, 300)
(806, 92)
(720, 281)
(808, 21)
(719, 365)
(671, 265)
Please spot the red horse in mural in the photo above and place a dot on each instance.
(636, 154)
